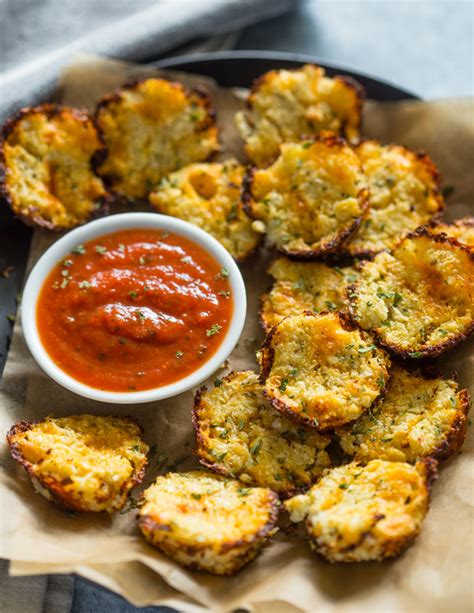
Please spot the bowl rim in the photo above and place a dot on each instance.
(109, 225)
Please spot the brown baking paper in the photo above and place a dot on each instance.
(433, 575)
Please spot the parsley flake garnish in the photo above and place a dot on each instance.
(67, 263)
(179, 354)
(121, 247)
(133, 294)
(79, 250)
(283, 384)
(415, 354)
(366, 349)
(100, 249)
(214, 329)
(84, 285)
(223, 273)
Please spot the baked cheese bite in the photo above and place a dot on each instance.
(153, 127)
(322, 371)
(283, 105)
(417, 300)
(81, 462)
(311, 199)
(404, 189)
(462, 230)
(240, 435)
(304, 286)
(359, 513)
(208, 195)
(420, 416)
(207, 522)
(46, 155)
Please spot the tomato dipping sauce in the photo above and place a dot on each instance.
(134, 310)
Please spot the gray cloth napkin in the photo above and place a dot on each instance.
(37, 38)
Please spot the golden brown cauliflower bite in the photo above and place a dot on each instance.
(304, 286)
(207, 522)
(284, 105)
(420, 416)
(151, 128)
(418, 300)
(462, 230)
(321, 371)
(239, 434)
(404, 194)
(361, 513)
(208, 195)
(311, 199)
(81, 462)
(46, 155)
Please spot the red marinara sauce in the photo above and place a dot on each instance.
(134, 310)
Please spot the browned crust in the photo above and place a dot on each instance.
(60, 496)
(200, 446)
(268, 357)
(115, 96)
(50, 111)
(349, 81)
(249, 547)
(428, 352)
(457, 434)
(330, 247)
(464, 222)
(432, 169)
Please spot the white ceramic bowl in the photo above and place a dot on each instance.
(107, 225)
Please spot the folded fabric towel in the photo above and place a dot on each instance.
(38, 38)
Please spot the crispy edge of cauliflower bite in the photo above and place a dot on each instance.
(209, 196)
(386, 302)
(461, 230)
(303, 286)
(307, 110)
(259, 444)
(351, 197)
(328, 412)
(381, 508)
(239, 520)
(439, 416)
(42, 197)
(63, 492)
(410, 193)
(127, 183)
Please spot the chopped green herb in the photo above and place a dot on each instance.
(223, 273)
(84, 284)
(133, 294)
(225, 293)
(415, 354)
(100, 249)
(141, 315)
(366, 349)
(79, 250)
(343, 486)
(255, 448)
(243, 491)
(283, 384)
(307, 144)
(217, 382)
(214, 329)
(187, 259)
(179, 354)
(121, 247)
(196, 496)
(67, 263)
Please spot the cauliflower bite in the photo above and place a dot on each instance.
(151, 128)
(240, 435)
(208, 196)
(404, 194)
(81, 462)
(206, 521)
(283, 105)
(311, 199)
(461, 230)
(418, 300)
(304, 286)
(360, 513)
(45, 163)
(320, 370)
(419, 416)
